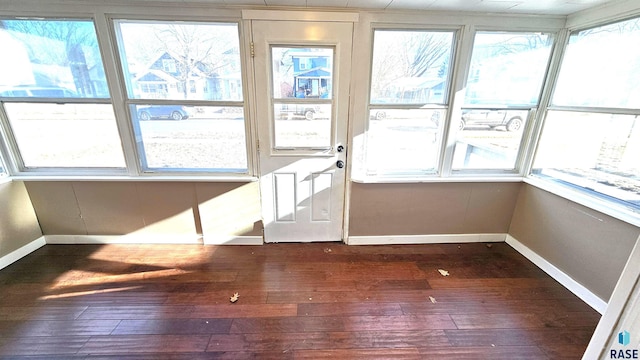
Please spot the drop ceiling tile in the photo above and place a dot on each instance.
(302, 3)
(550, 7)
(368, 4)
(498, 5)
(327, 3)
(243, 2)
(411, 4)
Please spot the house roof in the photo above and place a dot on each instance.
(156, 75)
(315, 72)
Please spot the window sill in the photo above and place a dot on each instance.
(616, 211)
(5, 179)
(155, 178)
(435, 179)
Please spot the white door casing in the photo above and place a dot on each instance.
(302, 126)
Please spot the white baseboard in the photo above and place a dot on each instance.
(232, 240)
(123, 239)
(567, 281)
(425, 239)
(18, 254)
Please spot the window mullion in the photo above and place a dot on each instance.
(8, 147)
(456, 97)
(107, 44)
(535, 131)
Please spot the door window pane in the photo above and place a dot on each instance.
(170, 60)
(191, 138)
(69, 135)
(302, 126)
(506, 74)
(601, 68)
(51, 59)
(302, 79)
(596, 152)
(302, 73)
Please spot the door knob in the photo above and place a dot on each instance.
(340, 164)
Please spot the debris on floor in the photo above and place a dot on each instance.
(433, 300)
(327, 250)
(443, 272)
(489, 246)
(234, 298)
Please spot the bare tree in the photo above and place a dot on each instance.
(424, 52)
(400, 54)
(196, 48)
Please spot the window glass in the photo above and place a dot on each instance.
(69, 135)
(186, 138)
(410, 67)
(302, 90)
(170, 60)
(505, 80)
(51, 59)
(404, 141)
(601, 155)
(507, 68)
(409, 83)
(601, 68)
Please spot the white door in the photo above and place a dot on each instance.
(302, 72)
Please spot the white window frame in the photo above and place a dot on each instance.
(18, 168)
(360, 174)
(466, 27)
(523, 156)
(136, 168)
(102, 16)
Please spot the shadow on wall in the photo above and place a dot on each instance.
(158, 212)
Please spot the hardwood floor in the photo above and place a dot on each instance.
(297, 301)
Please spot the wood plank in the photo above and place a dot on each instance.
(41, 312)
(173, 326)
(129, 344)
(490, 352)
(398, 323)
(406, 353)
(44, 345)
(279, 342)
(349, 309)
(523, 320)
(520, 337)
(136, 312)
(235, 310)
(15, 329)
(286, 325)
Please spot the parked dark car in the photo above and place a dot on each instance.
(173, 112)
(512, 120)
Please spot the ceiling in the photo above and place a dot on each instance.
(548, 7)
